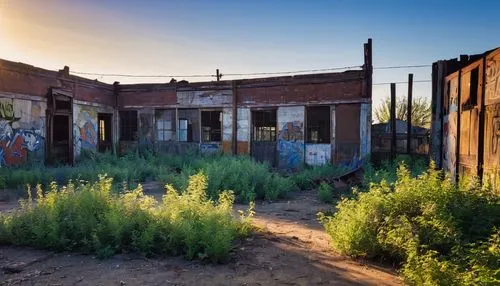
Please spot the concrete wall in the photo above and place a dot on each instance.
(291, 137)
(227, 130)
(365, 119)
(243, 131)
(318, 154)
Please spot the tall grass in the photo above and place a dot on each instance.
(441, 233)
(89, 218)
(249, 179)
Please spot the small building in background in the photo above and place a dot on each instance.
(381, 138)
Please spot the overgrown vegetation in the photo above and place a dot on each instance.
(249, 179)
(325, 193)
(89, 218)
(441, 233)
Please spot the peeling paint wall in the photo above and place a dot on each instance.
(243, 133)
(365, 121)
(22, 130)
(318, 154)
(204, 98)
(227, 130)
(291, 137)
(450, 128)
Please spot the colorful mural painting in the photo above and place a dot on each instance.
(17, 137)
(85, 129)
(291, 145)
(290, 137)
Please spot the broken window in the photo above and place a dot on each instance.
(128, 125)
(165, 125)
(188, 125)
(264, 125)
(318, 124)
(211, 126)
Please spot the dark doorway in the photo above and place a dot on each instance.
(263, 147)
(60, 124)
(105, 141)
(60, 139)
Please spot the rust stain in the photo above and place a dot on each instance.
(242, 147)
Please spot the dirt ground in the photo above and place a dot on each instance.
(290, 249)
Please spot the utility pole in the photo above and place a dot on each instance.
(218, 75)
(393, 121)
(408, 114)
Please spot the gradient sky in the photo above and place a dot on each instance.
(196, 37)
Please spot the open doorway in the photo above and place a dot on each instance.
(60, 124)
(105, 141)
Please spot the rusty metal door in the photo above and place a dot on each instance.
(263, 142)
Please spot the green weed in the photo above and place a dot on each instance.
(89, 218)
(441, 233)
(325, 193)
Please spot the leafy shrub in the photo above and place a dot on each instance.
(325, 193)
(90, 218)
(439, 231)
(249, 179)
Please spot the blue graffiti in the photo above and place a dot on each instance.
(291, 154)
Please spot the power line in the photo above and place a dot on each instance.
(294, 72)
(248, 74)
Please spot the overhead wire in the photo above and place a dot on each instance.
(101, 75)
(252, 73)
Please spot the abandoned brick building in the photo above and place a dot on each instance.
(465, 135)
(287, 120)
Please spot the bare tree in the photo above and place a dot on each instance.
(420, 114)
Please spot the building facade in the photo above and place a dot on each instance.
(288, 121)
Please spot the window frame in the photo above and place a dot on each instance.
(320, 127)
(128, 126)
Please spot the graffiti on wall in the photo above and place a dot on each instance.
(493, 80)
(209, 148)
(291, 145)
(85, 129)
(318, 154)
(18, 136)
